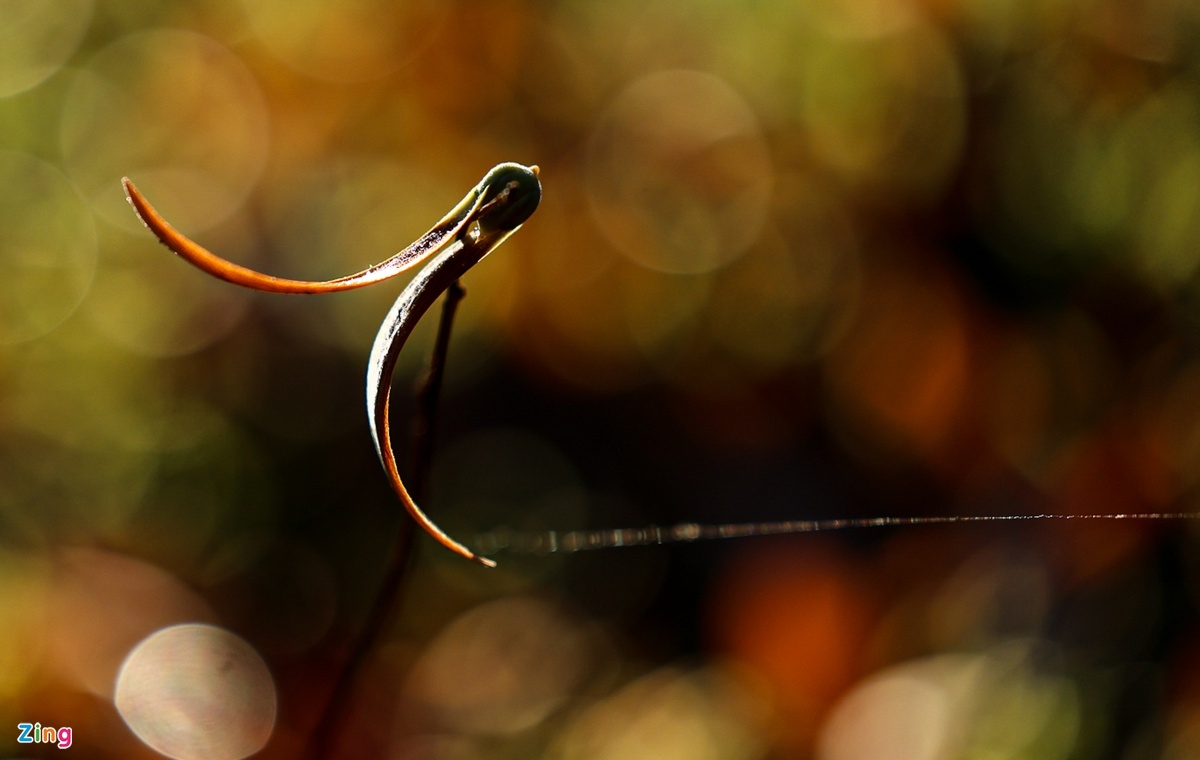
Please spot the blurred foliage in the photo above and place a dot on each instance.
(794, 259)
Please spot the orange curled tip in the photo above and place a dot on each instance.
(419, 516)
(222, 269)
(204, 259)
(536, 171)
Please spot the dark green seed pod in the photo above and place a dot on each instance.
(511, 193)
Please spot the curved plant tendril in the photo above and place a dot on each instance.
(493, 210)
(194, 253)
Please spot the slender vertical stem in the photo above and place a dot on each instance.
(387, 600)
(430, 393)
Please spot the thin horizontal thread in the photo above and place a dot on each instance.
(551, 542)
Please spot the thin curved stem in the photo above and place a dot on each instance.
(433, 279)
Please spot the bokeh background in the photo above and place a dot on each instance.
(794, 259)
